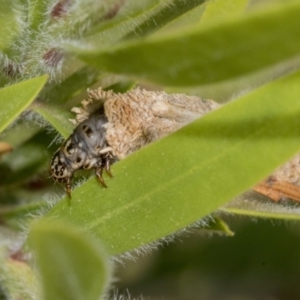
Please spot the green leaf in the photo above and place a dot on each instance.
(71, 265)
(252, 204)
(216, 224)
(186, 20)
(81, 17)
(189, 174)
(8, 24)
(131, 16)
(16, 98)
(56, 116)
(218, 9)
(224, 91)
(17, 278)
(73, 85)
(26, 160)
(207, 54)
(37, 12)
(121, 86)
(163, 16)
(16, 216)
(139, 19)
(20, 134)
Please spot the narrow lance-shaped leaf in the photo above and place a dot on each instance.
(207, 54)
(8, 24)
(216, 224)
(37, 13)
(71, 266)
(165, 15)
(15, 216)
(217, 9)
(56, 116)
(187, 175)
(139, 19)
(18, 280)
(256, 205)
(15, 98)
(71, 86)
(26, 160)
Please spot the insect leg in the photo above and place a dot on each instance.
(99, 172)
(107, 167)
(68, 187)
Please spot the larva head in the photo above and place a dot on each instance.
(86, 148)
(60, 171)
(66, 160)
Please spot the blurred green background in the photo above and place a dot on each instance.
(261, 261)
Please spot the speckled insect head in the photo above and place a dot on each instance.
(111, 126)
(86, 148)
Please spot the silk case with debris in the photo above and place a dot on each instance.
(139, 117)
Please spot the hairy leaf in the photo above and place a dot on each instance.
(206, 54)
(256, 205)
(72, 267)
(56, 116)
(8, 24)
(140, 19)
(15, 98)
(187, 175)
(217, 9)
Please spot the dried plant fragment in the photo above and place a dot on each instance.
(277, 190)
(283, 183)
